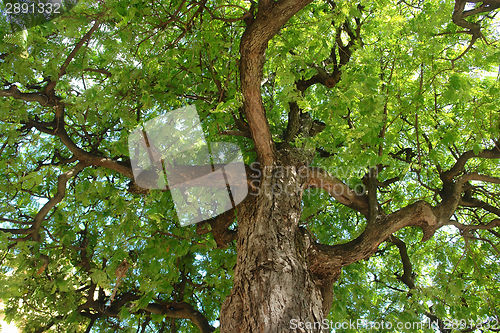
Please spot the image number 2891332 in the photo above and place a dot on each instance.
(25, 14)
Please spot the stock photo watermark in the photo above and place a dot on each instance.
(364, 324)
(388, 325)
(170, 152)
(205, 179)
(259, 184)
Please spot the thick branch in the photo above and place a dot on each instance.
(419, 214)
(293, 125)
(458, 18)
(451, 191)
(474, 28)
(441, 324)
(407, 277)
(485, 7)
(236, 133)
(270, 18)
(219, 228)
(28, 97)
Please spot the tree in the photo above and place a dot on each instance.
(370, 133)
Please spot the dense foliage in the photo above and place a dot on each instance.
(399, 86)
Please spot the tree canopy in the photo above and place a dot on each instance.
(394, 104)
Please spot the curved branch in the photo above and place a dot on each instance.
(181, 310)
(3, 219)
(451, 192)
(492, 224)
(468, 235)
(466, 201)
(474, 28)
(61, 191)
(89, 158)
(459, 18)
(479, 177)
(49, 325)
(46, 97)
(270, 18)
(420, 214)
(407, 277)
(448, 175)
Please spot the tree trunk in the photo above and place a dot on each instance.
(273, 286)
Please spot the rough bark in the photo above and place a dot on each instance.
(273, 283)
